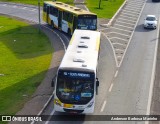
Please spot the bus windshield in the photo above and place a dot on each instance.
(87, 22)
(75, 87)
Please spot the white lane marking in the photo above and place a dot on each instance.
(119, 57)
(127, 17)
(121, 29)
(24, 7)
(135, 5)
(4, 4)
(126, 20)
(104, 103)
(53, 111)
(129, 7)
(136, 1)
(119, 44)
(110, 89)
(103, 29)
(14, 6)
(125, 23)
(117, 51)
(152, 75)
(118, 38)
(130, 14)
(116, 74)
(124, 26)
(131, 1)
(118, 33)
(33, 9)
(129, 11)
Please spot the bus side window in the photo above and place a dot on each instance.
(53, 11)
(65, 16)
(70, 17)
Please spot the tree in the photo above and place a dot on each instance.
(99, 4)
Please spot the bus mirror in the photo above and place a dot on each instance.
(52, 83)
(97, 83)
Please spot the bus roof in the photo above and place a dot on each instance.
(82, 51)
(67, 7)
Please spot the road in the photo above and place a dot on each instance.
(130, 88)
(122, 28)
(127, 90)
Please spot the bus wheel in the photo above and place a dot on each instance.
(69, 31)
(52, 24)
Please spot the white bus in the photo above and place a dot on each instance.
(76, 82)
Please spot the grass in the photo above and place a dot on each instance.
(24, 60)
(107, 9)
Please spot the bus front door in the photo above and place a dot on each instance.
(60, 19)
(47, 16)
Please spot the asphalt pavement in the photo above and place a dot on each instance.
(128, 92)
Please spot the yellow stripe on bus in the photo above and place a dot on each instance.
(68, 105)
(71, 40)
(97, 43)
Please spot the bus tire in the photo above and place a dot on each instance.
(69, 31)
(52, 24)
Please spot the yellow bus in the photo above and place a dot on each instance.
(68, 18)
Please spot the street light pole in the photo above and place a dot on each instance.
(39, 16)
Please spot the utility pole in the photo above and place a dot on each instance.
(39, 15)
